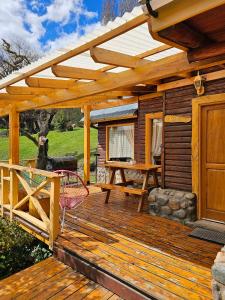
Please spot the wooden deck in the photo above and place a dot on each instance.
(51, 279)
(153, 256)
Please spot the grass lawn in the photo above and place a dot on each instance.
(60, 144)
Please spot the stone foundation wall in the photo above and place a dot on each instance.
(176, 205)
(218, 274)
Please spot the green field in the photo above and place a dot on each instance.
(60, 144)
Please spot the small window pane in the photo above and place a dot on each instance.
(121, 143)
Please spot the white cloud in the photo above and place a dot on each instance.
(18, 22)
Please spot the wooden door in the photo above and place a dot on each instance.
(213, 162)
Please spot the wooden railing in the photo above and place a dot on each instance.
(31, 197)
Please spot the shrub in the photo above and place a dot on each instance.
(18, 249)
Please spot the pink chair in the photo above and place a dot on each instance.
(73, 192)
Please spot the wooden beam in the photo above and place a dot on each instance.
(87, 143)
(65, 84)
(166, 67)
(142, 55)
(184, 82)
(49, 83)
(150, 96)
(129, 25)
(157, 37)
(206, 52)
(115, 103)
(76, 73)
(15, 98)
(20, 90)
(14, 133)
(183, 35)
(100, 55)
(156, 4)
(181, 10)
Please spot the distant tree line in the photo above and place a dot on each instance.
(113, 8)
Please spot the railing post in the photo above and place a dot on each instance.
(14, 191)
(54, 210)
(5, 188)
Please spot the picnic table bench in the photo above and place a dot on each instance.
(146, 169)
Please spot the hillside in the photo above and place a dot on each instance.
(60, 144)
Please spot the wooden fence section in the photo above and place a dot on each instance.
(31, 197)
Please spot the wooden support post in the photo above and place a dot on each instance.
(87, 123)
(14, 133)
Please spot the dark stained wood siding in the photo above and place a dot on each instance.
(146, 107)
(177, 137)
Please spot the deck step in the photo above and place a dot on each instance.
(123, 189)
(52, 279)
(101, 276)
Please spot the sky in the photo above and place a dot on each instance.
(48, 24)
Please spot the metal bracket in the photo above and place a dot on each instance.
(152, 12)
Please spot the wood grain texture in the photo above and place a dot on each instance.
(152, 254)
(51, 279)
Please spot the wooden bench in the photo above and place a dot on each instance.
(127, 190)
(123, 189)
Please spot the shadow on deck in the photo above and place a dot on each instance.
(133, 254)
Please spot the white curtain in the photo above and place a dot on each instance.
(157, 128)
(121, 142)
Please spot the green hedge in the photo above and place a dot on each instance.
(18, 249)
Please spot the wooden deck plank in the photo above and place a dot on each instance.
(53, 281)
(149, 235)
(118, 271)
(153, 257)
(147, 271)
(152, 254)
(161, 233)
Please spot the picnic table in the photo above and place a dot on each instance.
(146, 169)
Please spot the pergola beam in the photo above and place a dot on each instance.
(20, 90)
(100, 55)
(76, 73)
(49, 83)
(15, 98)
(165, 67)
(114, 103)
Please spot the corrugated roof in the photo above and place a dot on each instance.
(114, 112)
(133, 42)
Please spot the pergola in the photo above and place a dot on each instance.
(117, 64)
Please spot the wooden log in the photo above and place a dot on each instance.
(206, 52)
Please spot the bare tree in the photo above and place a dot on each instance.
(14, 56)
(113, 8)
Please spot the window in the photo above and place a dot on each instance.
(153, 137)
(120, 142)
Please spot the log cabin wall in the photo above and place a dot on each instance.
(177, 136)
